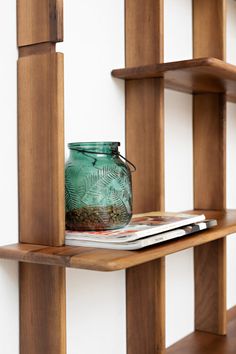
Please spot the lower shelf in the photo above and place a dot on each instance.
(206, 343)
(111, 260)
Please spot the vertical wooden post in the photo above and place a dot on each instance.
(145, 147)
(209, 123)
(40, 123)
(144, 104)
(41, 172)
(145, 287)
(42, 305)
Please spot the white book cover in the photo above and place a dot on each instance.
(140, 227)
(147, 241)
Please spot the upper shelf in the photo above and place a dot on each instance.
(110, 260)
(192, 76)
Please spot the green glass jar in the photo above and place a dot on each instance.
(98, 187)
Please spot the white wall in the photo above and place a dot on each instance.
(178, 171)
(8, 179)
(94, 44)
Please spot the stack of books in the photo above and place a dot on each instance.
(143, 231)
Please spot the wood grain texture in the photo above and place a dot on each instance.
(42, 309)
(41, 173)
(205, 67)
(205, 343)
(209, 139)
(201, 75)
(111, 260)
(209, 27)
(210, 280)
(39, 21)
(145, 142)
(144, 103)
(145, 287)
(209, 142)
(41, 48)
(41, 149)
(144, 32)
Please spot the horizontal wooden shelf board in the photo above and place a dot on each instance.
(111, 260)
(199, 75)
(206, 343)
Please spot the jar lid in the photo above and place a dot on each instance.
(94, 144)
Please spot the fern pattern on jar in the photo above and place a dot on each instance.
(98, 188)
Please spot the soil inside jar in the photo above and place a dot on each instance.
(96, 218)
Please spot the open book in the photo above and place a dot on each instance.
(140, 227)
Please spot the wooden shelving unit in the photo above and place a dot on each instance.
(40, 250)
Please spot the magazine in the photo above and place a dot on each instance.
(140, 227)
(147, 241)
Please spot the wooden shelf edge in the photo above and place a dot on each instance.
(112, 260)
(158, 69)
(199, 75)
(202, 342)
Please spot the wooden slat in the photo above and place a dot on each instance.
(41, 172)
(146, 308)
(144, 104)
(209, 136)
(210, 294)
(145, 142)
(145, 148)
(42, 303)
(39, 21)
(209, 169)
(144, 32)
(41, 149)
(209, 18)
(111, 260)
